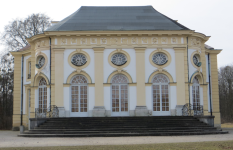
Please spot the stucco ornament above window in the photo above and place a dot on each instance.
(159, 58)
(119, 59)
(196, 60)
(78, 59)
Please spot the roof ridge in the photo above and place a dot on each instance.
(119, 6)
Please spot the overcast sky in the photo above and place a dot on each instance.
(211, 17)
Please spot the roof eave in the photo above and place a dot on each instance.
(159, 32)
(215, 51)
(15, 53)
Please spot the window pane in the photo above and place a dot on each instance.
(196, 94)
(156, 97)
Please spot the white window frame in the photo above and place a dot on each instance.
(43, 90)
(161, 113)
(194, 87)
(120, 113)
(78, 114)
(29, 67)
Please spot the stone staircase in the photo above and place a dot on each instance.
(121, 126)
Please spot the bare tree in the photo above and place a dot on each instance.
(226, 93)
(14, 38)
(6, 91)
(16, 32)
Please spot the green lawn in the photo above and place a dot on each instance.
(170, 146)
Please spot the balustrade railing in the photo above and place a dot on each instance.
(192, 110)
(52, 112)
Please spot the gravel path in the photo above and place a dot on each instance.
(10, 139)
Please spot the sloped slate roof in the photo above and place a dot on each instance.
(126, 18)
(25, 48)
(209, 47)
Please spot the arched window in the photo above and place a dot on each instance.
(42, 95)
(79, 79)
(160, 93)
(79, 94)
(196, 93)
(117, 79)
(119, 95)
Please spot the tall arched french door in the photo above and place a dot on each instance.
(119, 104)
(42, 96)
(196, 94)
(160, 94)
(79, 96)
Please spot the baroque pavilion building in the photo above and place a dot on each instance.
(116, 61)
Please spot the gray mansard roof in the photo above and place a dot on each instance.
(126, 18)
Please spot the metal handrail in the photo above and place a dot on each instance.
(47, 112)
(192, 110)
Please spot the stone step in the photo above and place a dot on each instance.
(112, 119)
(122, 121)
(123, 126)
(123, 134)
(126, 123)
(113, 122)
(120, 126)
(126, 117)
(51, 127)
(87, 132)
(146, 120)
(103, 129)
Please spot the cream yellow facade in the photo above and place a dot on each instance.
(103, 71)
(62, 42)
